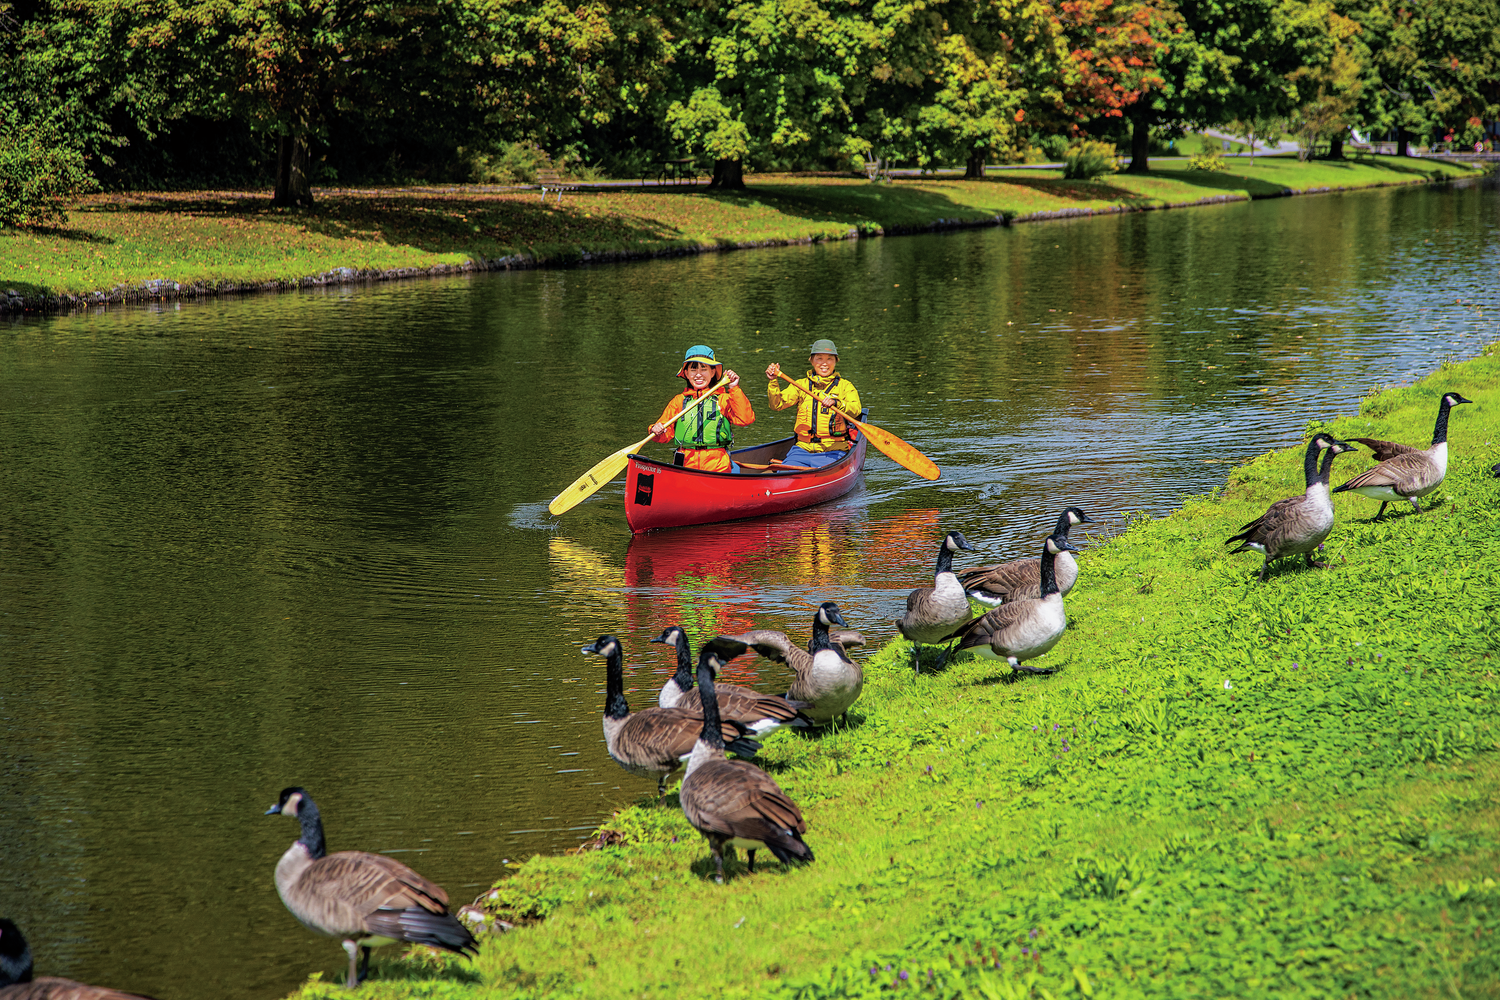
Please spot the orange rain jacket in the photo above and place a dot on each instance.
(733, 403)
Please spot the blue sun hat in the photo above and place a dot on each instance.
(703, 355)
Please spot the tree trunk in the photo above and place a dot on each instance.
(1140, 146)
(292, 187)
(974, 170)
(1401, 137)
(1336, 146)
(729, 175)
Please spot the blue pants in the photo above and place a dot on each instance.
(812, 459)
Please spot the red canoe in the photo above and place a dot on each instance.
(662, 495)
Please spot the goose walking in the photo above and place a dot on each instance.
(368, 900)
(932, 613)
(1296, 524)
(1021, 630)
(1022, 578)
(16, 982)
(1404, 472)
(655, 742)
(827, 680)
(763, 714)
(732, 803)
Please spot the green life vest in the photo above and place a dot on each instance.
(705, 427)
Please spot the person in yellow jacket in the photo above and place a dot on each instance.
(823, 435)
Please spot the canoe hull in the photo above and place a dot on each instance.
(661, 495)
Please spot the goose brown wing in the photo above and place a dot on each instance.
(337, 893)
(767, 642)
(1275, 514)
(1387, 449)
(660, 737)
(1007, 581)
(735, 799)
(846, 638)
(54, 988)
(1406, 473)
(743, 705)
(982, 630)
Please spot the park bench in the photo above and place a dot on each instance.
(551, 179)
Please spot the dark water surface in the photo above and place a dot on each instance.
(302, 539)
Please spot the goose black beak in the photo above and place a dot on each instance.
(273, 811)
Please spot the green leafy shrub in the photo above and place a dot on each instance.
(1090, 158)
(505, 163)
(41, 170)
(1210, 157)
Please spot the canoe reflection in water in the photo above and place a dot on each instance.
(731, 577)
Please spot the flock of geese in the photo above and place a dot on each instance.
(367, 900)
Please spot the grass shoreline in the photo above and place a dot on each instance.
(169, 246)
(1229, 789)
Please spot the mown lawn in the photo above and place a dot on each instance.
(230, 240)
(1229, 789)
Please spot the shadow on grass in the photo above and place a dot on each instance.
(72, 233)
(418, 966)
(736, 865)
(1078, 190)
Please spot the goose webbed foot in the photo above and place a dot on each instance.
(1315, 563)
(1026, 668)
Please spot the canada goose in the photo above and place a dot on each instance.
(367, 899)
(1296, 524)
(730, 802)
(1404, 473)
(1020, 630)
(934, 612)
(762, 713)
(1021, 578)
(653, 743)
(16, 982)
(828, 681)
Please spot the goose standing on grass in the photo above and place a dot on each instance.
(932, 613)
(1405, 473)
(1021, 630)
(367, 899)
(16, 982)
(653, 743)
(763, 714)
(1022, 578)
(827, 681)
(1296, 524)
(732, 803)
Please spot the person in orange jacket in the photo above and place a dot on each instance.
(703, 436)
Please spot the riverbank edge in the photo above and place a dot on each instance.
(13, 302)
(1248, 486)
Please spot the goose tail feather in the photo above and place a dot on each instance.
(419, 926)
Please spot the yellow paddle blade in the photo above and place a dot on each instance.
(897, 450)
(589, 483)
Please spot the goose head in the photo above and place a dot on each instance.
(1075, 516)
(606, 646)
(1057, 545)
(955, 541)
(289, 802)
(1339, 447)
(672, 635)
(1453, 399)
(828, 616)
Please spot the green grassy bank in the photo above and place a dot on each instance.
(153, 246)
(1229, 789)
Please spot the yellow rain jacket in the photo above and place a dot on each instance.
(818, 427)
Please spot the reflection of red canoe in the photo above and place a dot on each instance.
(661, 495)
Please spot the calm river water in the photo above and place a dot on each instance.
(302, 539)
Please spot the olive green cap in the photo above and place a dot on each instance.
(823, 347)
